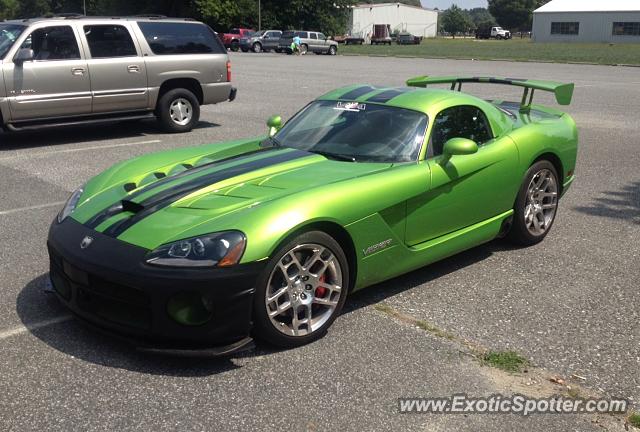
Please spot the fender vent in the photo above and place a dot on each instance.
(159, 175)
(129, 187)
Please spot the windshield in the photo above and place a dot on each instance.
(8, 35)
(355, 131)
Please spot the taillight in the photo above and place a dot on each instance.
(228, 71)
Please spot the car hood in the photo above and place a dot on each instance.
(194, 195)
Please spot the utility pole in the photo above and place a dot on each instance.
(84, 6)
(259, 15)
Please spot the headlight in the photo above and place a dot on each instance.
(219, 249)
(71, 204)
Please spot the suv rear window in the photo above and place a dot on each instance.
(165, 38)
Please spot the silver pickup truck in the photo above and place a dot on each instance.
(78, 70)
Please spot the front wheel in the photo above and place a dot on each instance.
(303, 49)
(301, 291)
(235, 46)
(257, 47)
(536, 205)
(333, 50)
(178, 110)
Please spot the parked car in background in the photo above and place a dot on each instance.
(487, 32)
(315, 42)
(77, 70)
(265, 40)
(405, 38)
(231, 40)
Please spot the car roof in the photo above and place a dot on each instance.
(73, 17)
(429, 101)
(418, 99)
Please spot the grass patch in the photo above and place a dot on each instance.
(634, 419)
(509, 361)
(515, 49)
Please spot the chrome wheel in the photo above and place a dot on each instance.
(541, 203)
(304, 289)
(181, 111)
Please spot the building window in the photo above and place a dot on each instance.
(565, 28)
(626, 28)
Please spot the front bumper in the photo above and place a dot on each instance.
(109, 286)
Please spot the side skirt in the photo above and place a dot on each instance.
(402, 259)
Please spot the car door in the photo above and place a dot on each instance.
(271, 40)
(55, 83)
(323, 45)
(117, 70)
(468, 188)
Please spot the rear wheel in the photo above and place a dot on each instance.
(303, 49)
(301, 291)
(536, 206)
(178, 110)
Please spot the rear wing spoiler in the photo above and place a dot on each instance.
(562, 91)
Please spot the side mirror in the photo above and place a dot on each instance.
(275, 124)
(25, 54)
(458, 147)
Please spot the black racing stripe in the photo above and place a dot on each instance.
(356, 93)
(387, 95)
(117, 208)
(168, 197)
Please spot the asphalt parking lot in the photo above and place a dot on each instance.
(569, 305)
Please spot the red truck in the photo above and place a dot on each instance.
(231, 40)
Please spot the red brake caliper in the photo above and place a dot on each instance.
(321, 291)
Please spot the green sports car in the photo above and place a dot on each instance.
(200, 249)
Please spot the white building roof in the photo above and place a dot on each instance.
(373, 5)
(590, 6)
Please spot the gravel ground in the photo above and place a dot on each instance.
(569, 304)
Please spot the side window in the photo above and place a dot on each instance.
(321, 36)
(459, 122)
(275, 35)
(313, 36)
(53, 43)
(167, 38)
(109, 41)
(302, 35)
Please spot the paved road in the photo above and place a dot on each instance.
(569, 304)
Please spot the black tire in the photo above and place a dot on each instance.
(235, 46)
(333, 50)
(257, 47)
(264, 329)
(519, 234)
(304, 49)
(163, 110)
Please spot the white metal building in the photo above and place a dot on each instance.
(401, 17)
(615, 21)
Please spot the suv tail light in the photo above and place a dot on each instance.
(228, 71)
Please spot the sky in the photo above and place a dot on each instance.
(444, 4)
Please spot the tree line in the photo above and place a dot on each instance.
(328, 16)
(510, 14)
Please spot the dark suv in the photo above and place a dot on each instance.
(265, 40)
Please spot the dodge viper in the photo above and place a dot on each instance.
(203, 249)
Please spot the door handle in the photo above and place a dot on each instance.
(133, 68)
(78, 71)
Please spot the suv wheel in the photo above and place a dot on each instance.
(303, 49)
(333, 50)
(257, 47)
(178, 110)
(235, 46)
